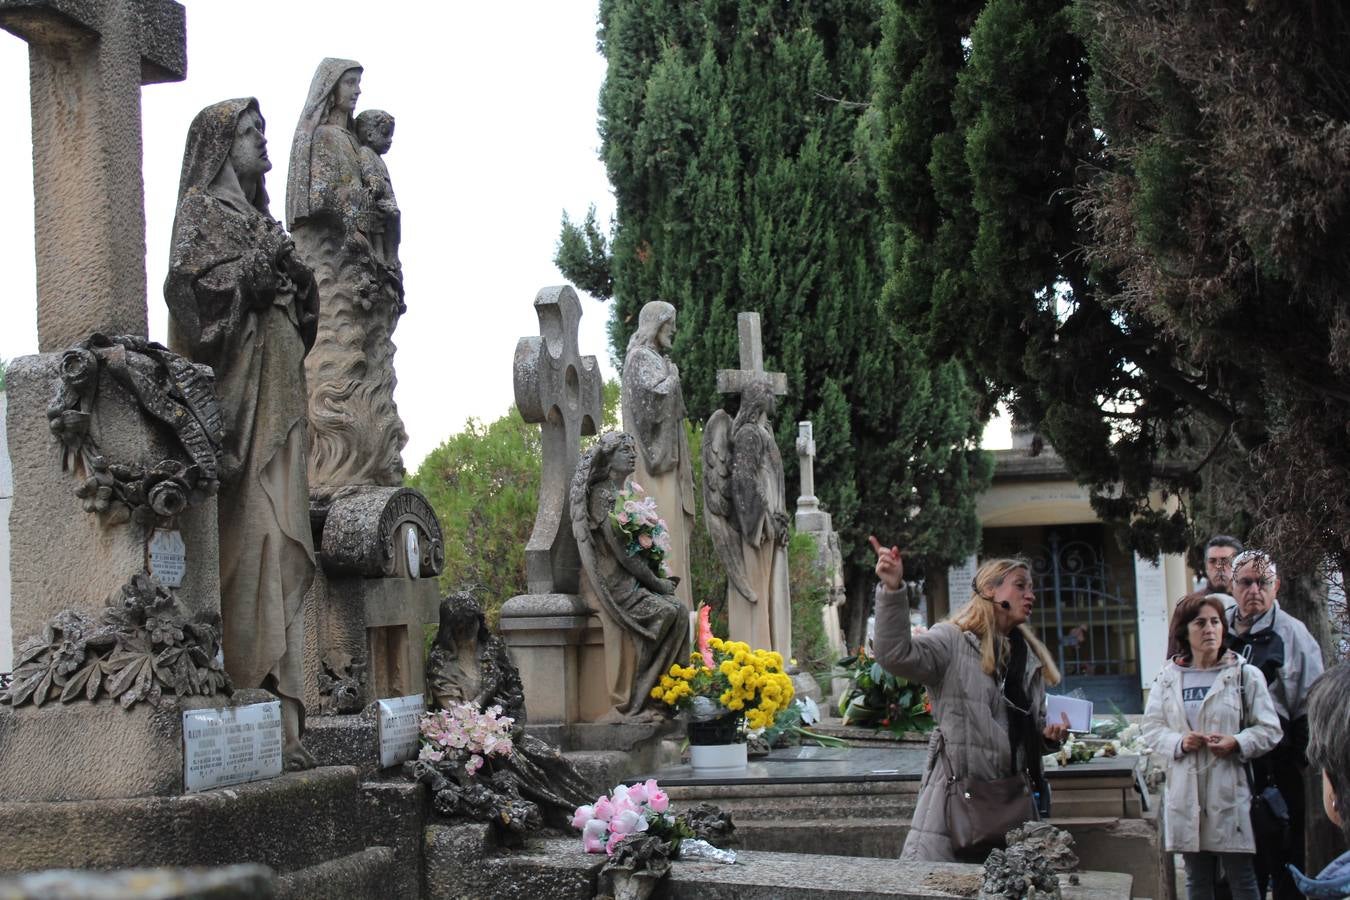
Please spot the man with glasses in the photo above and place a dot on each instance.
(1283, 649)
(1219, 553)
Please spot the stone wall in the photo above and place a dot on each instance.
(6, 501)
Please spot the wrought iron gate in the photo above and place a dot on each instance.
(1090, 626)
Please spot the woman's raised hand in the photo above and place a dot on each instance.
(890, 569)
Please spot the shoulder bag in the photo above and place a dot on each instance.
(981, 813)
(1269, 811)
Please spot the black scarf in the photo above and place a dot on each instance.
(1021, 722)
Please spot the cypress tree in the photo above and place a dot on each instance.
(738, 136)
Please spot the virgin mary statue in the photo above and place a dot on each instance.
(241, 302)
(357, 436)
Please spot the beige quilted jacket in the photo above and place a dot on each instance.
(967, 704)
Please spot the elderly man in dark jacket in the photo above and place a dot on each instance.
(1290, 658)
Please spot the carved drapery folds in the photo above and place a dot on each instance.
(170, 390)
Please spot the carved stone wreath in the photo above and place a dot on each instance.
(142, 647)
(171, 390)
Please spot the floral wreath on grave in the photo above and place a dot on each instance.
(142, 647)
(726, 684)
(170, 390)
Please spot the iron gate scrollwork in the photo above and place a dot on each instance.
(1089, 624)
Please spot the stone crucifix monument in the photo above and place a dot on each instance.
(559, 389)
(115, 441)
(812, 519)
(745, 501)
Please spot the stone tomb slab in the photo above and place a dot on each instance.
(811, 765)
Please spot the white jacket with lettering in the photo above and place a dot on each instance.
(1207, 800)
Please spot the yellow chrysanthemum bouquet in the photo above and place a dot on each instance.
(725, 679)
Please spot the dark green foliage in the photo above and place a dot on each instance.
(739, 143)
(877, 699)
(810, 592)
(1128, 220)
(484, 485)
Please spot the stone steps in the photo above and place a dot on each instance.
(357, 876)
(461, 864)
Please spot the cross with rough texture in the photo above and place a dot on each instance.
(87, 60)
(559, 389)
(735, 381)
(806, 459)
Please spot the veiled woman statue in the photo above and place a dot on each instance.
(241, 302)
(646, 629)
(653, 412)
(358, 436)
(745, 507)
(469, 664)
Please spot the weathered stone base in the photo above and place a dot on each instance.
(555, 642)
(288, 823)
(377, 621)
(464, 862)
(606, 754)
(346, 740)
(98, 751)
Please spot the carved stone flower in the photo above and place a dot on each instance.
(78, 367)
(168, 497)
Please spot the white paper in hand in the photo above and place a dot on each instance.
(1078, 711)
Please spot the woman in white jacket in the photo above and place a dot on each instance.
(1195, 718)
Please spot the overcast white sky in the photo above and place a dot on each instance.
(496, 113)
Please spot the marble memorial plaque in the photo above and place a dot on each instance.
(231, 745)
(166, 557)
(399, 720)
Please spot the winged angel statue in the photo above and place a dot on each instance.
(646, 627)
(746, 512)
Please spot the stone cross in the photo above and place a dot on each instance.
(735, 381)
(558, 388)
(86, 64)
(806, 458)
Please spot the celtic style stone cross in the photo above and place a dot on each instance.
(558, 388)
(86, 63)
(735, 381)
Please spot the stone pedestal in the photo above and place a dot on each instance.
(380, 550)
(557, 644)
(98, 751)
(61, 556)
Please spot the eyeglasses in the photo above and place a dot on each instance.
(1245, 583)
(1223, 563)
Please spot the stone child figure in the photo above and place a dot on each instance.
(646, 629)
(469, 664)
(375, 134)
(242, 302)
(745, 506)
(653, 412)
(358, 436)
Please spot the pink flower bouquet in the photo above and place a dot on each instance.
(627, 810)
